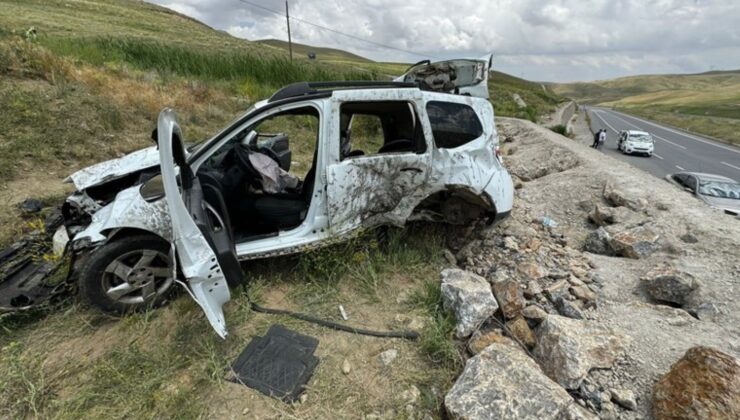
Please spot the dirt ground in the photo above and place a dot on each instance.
(574, 175)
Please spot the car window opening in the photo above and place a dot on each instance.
(453, 124)
(265, 174)
(380, 127)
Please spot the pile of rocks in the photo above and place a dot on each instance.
(621, 223)
(526, 361)
(586, 257)
(532, 360)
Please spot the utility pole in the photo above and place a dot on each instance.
(290, 43)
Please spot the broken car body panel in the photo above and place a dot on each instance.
(115, 168)
(197, 259)
(459, 76)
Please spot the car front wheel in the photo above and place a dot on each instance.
(128, 275)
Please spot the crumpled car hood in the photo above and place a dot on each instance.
(114, 168)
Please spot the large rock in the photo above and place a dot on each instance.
(481, 340)
(703, 384)
(502, 382)
(568, 308)
(519, 330)
(558, 295)
(534, 313)
(618, 198)
(638, 242)
(567, 349)
(509, 297)
(531, 270)
(670, 285)
(598, 242)
(604, 216)
(469, 296)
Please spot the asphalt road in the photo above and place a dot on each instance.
(675, 151)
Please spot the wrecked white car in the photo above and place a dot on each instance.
(138, 222)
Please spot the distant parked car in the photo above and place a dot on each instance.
(717, 191)
(633, 141)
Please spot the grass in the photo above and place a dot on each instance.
(723, 128)
(437, 340)
(132, 382)
(77, 363)
(272, 72)
(561, 129)
(539, 98)
(116, 18)
(24, 384)
(300, 51)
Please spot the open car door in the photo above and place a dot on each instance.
(201, 232)
(460, 76)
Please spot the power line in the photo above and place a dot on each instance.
(259, 6)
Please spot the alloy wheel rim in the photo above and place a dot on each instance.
(138, 277)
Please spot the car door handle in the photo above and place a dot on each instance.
(417, 170)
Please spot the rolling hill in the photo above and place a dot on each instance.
(322, 53)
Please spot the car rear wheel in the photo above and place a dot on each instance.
(128, 275)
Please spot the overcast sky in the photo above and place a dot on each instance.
(544, 40)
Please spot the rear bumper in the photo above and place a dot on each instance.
(500, 189)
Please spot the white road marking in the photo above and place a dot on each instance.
(658, 156)
(595, 112)
(731, 166)
(732, 149)
(680, 168)
(654, 135)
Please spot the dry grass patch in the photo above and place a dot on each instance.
(156, 363)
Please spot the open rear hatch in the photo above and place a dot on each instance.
(460, 76)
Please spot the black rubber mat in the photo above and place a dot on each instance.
(278, 364)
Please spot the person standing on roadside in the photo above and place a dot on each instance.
(596, 138)
(602, 138)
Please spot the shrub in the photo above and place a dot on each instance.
(560, 129)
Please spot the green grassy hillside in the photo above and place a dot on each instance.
(707, 103)
(540, 99)
(115, 18)
(322, 53)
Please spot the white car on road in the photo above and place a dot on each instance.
(138, 221)
(634, 141)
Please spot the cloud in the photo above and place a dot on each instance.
(543, 39)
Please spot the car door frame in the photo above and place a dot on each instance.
(199, 263)
(315, 227)
(371, 190)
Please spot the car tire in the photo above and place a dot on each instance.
(128, 275)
